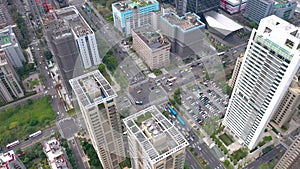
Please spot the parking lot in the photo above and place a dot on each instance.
(204, 101)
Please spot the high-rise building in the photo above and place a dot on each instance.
(290, 159)
(288, 105)
(233, 6)
(5, 18)
(272, 58)
(154, 142)
(258, 9)
(96, 100)
(184, 32)
(236, 70)
(196, 6)
(285, 9)
(67, 21)
(10, 45)
(152, 47)
(10, 88)
(129, 15)
(9, 160)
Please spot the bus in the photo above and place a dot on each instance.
(170, 80)
(221, 53)
(180, 121)
(13, 144)
(35, 134)
(172, 111)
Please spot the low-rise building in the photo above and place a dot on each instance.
(55, 154)
(9, 160)
(152, 47)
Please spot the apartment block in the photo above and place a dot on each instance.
(288, 105)
(152, 47)
(10, 88)
(290, 159)
(66, 24)
(154, 142)
(5, 18)
(272, 58)
(55, 154)
(233, 6)
(129, 15)
(9, 160)
(236, 70)
(96, 100)
(10, 45)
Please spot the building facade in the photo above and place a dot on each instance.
(290, 159)
(152, 47)
(70, 24)
(288, 105)
(285, 9)
(196, 6)
(259, 9)
(129, 15)
(233, 6)
(272, 58)
(10, 45)
(236, 70)
(10, 88)
(154, 142)
(184, 32)
(96, 100)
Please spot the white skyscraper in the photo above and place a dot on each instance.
(271, 60)
(96, 100)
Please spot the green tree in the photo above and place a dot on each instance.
(102, 68)
(252, 24)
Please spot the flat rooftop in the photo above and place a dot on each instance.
(6, 37)
(123, 6)
(92, 89)
(186, 22)
(158, 137)
(153, 39)
(73, 19)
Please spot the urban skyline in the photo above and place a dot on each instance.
(149, 84)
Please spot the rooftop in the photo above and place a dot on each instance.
(55, 154)
(186, 22)
(7, 157)
(222, 23)
(7, 37)
(153, 39)
(158, 137)
(69, 16)
(92, 88)
(123, 6)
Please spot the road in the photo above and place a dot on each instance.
(190, 160)
(276, 152)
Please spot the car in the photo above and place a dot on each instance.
(139, 91)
